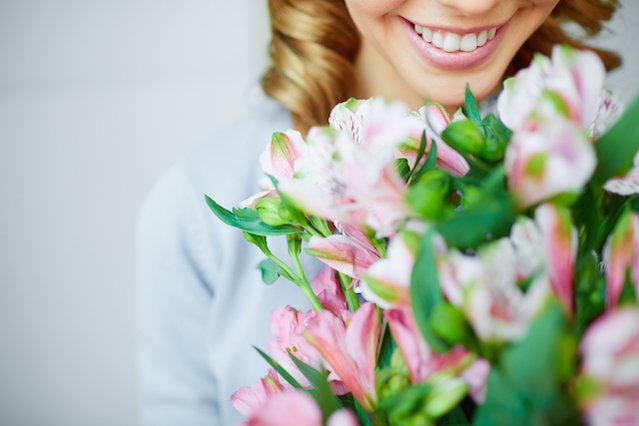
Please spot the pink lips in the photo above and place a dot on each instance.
(455, 60)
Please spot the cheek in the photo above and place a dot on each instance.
(548, 5)
(373, 8)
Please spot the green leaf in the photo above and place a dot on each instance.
(421, 150)
(456, 417)
(471, 227)
(618, 146)
(628, 294)
(285, 374)
(248, 220)
(321, 392)
(431, 161)
(403, 169)
(488, 213)
(425, 293)
(386, 347)
(471, 107)
(271, 271)
(503, 406)
(590, 284)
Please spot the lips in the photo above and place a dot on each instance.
(451, 48)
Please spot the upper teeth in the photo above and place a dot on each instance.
(453, 42)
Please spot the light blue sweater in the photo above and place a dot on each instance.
(202, 303)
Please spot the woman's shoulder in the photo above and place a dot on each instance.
(224, 167)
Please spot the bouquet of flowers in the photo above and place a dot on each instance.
(479, 270)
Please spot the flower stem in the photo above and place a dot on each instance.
(349, 293)
(294, 248)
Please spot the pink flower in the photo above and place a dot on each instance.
(278, 160)
(290, 408)
(248, 400)
(329, 292)
(285, 407)
(576, 77)
(436, 120)
(348, 175)
(548, 158)
(486, 288)
(422, 363)
(610, 351)
(287, 325)
(621, 253)
(560, 247)
(349, 255)
(387, 281)
(350, 350)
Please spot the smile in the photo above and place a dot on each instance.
(452, 42)
(454, 48)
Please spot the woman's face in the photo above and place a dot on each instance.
(429, 49)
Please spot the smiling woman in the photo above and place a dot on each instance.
(324, 51)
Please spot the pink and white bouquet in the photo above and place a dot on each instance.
(479, 270)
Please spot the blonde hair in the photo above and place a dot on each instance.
(314, 44)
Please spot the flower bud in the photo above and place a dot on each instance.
(449, 323)
(269, 211)
(464, 137)
(445, 395)
(427, 197)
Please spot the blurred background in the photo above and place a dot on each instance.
(97, 99)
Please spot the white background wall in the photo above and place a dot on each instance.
(96, 100)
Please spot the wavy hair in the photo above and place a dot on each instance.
(314, 45)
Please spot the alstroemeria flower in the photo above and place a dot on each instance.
(486, 288)
(422, 363)
(433, 120)
(349, 255)
(577, 77)
(610, 353)
(387, 281)
(548, 158)
(621, 253)
(350, 351)
(559, 239)
(287, 325)
(296, 408)
(349, 174)
(329, 292)
(278, 160)
(248, 400)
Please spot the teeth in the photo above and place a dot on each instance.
(452, 42)
(427, 35)
(468, 43)
(438, 40)
(483, 37)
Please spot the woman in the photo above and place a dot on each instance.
(202, 305)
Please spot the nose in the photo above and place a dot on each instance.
(471, 7)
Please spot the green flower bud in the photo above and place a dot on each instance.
(427, 197)
(445, 395)
(268, 209)
(464, 136)
(449, 323)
